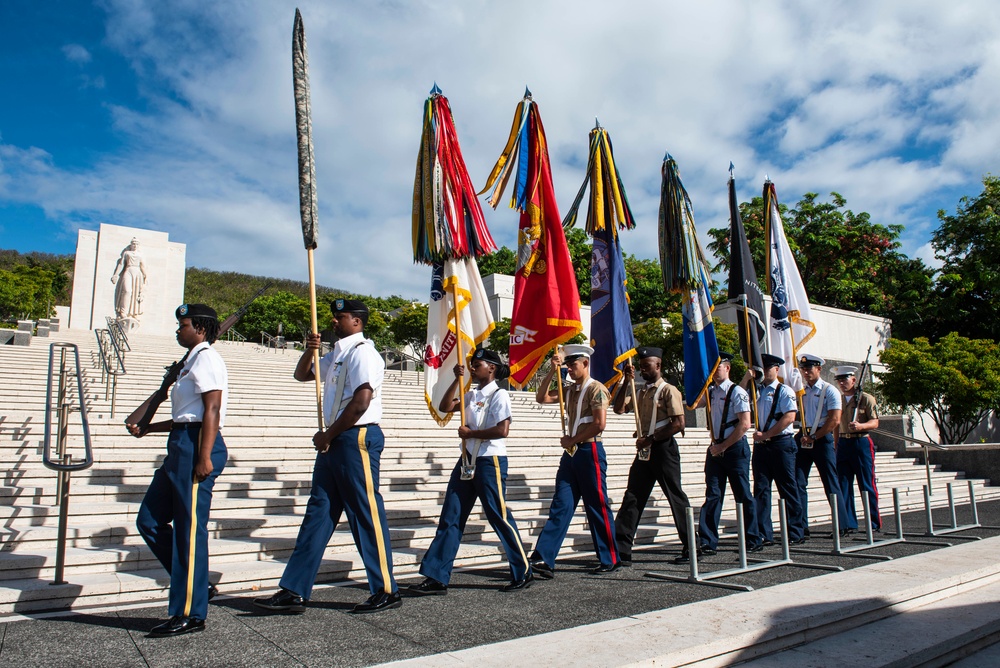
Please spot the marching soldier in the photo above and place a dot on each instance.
(822, 408)
(855, 449)
(582, 469)
(661, 417)
(181, 491)
(774, 453)
(345, 476)
(488, 417)
(728, 458)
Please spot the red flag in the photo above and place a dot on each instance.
(546, 297)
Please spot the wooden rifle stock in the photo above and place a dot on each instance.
(861, 379)
(144, 414)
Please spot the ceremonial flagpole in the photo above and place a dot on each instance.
(753, 381)
(307, 182)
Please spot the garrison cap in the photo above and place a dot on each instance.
(574, 351)
(642, 352)
(726, 357)
(771, 360)
(348, 306)
(808, 360)
(488, 356)
(844, 371)
(195, 311)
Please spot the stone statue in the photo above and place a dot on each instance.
(130, 282)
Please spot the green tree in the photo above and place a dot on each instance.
(379, 332)
(846, 261)
(410, 326)
(647, 299)
(968, 243)
(671, 339)
(26, 292)
(272, 309)
(503, 261)
(956, 380)
(499, 340)
(580, 253)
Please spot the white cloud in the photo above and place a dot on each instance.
(76, 54)
(886, 103)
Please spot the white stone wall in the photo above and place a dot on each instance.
(97, 254)
(500, 291)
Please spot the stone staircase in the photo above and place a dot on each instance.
(260, 498)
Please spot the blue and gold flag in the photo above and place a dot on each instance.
(610, 322)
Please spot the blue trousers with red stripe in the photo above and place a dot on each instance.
(856, 457)
(345, 480)
(584, 475)
(174, 498)
(489, 485)
(824, 455)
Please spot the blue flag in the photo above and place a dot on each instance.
(610, 323)
(701, 350)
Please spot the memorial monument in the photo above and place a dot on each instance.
(135, 276)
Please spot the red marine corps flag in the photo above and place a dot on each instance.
(546, 298)
(449, 231)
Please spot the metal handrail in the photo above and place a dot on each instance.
(118, 335)
(419, 363)
(64, 464)
(233, 335)
(109, 376)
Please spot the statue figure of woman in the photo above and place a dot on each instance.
(129, 283)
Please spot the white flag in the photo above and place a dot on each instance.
(453, 278)
(791, 323)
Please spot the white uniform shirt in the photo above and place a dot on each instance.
(363, 366)
(484, 409)
(739, 402)
(204, 371)
(817, 401)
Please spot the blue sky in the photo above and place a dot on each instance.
(177, 116)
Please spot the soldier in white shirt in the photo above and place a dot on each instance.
(345, 477)
(181, 491)
(487, 422)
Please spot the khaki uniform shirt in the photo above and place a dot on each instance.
(866, 411)
(595, 397)
(667, 406)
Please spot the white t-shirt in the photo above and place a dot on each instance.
(364, 365)
(486, 408)
(204, 371)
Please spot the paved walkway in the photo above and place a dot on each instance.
(474, 613)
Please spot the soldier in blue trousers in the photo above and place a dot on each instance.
(181, 491)
(821, 407)
(582, 469)
(728, 459)
(774, 453)
(855, 449)
(345, 476)
(487, 422)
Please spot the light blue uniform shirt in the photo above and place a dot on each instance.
(821, 398)
(786, 403)
(738, 403)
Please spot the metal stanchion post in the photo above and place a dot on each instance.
(63, 522)
(868, 518)
(741, 535)
(786, 554)
(836, 523)
(951, 506)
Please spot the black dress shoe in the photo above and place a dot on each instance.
(606, 568)
(429, 587)
(542, 570)
(706, 551)
(805, 533)
(625, 562)
(379, 601)
(768, 543)
(685, 558)
(282, 601)
(518, 585)
(798, 541)
(176, 626)
(213, 591)
(756, 548)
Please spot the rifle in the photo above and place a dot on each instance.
(143, 415)
(861, 380)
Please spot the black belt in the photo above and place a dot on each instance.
(582, 443)
(773, 439)
(856, 435)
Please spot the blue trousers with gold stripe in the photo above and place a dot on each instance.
(345, 480)
(582, 475)
(174, 497)
(490, 485)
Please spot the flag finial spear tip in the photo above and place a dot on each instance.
(667, 156)
(435, 90)
(527, 93)
(597, 123)
(731, 168)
